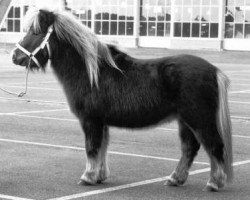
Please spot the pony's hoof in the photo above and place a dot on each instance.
(175, 180)
(83, 182)
(101, 179)
(171, 182)
(86, 182)
(103, 175)
(221, 181)
(211, 187)
(221, 185)
(88, 178)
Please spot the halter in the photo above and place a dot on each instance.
(41, 46)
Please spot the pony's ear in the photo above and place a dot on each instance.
(46, 18)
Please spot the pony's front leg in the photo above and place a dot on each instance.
(96, 143)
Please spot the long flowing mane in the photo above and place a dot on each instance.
(86, 43)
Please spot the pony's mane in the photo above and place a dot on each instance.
(85, 42)
(31, 19)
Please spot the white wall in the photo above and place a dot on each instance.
(198, 43)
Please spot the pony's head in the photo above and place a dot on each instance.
(33, 50)
(45, 29)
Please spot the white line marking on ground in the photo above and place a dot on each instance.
(239, 79)
(48, 118)
(34, 88)
(42, 111)
(35, 111)
(33, 100)
(175, 130)
(240, 75)
(237, 71)
(243, 84)
(2, 196)
(152, 157)
(31, 82)
(242, 136)
(240, 117)
(240, 102)
(166, 129)
(136, 184)
(241, 91)
(40, 117)
(83, 149)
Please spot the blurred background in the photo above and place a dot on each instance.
(174, 24)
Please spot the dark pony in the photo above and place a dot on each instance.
(107, 87)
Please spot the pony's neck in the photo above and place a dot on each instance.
(69, 66)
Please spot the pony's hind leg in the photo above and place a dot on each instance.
(214, 146)
(96, 143)
(189, 147)
(217, 177)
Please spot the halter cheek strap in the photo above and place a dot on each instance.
(41, 46)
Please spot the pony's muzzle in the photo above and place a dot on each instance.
(19, 58)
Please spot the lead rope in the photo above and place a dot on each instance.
(21, 94)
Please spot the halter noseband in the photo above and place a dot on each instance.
(41, 46)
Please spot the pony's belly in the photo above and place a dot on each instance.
(139, 120)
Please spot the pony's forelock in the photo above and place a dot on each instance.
(31, 19)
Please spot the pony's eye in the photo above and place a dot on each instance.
(34, 33)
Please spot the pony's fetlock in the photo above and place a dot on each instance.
(103, 174)
(211, 187)
(221, 178)
(216, 183)
(176, 180)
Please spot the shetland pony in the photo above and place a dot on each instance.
(106, 87)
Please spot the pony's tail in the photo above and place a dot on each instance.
(224, 123)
